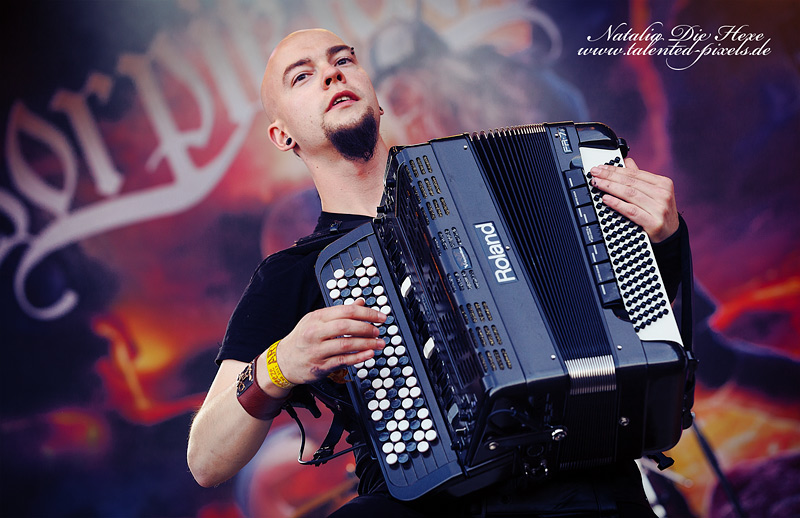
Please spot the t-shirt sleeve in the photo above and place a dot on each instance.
(668, 256)
(279, 293)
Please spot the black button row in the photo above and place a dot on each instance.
(582, 198)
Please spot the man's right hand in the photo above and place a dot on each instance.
(329, 339)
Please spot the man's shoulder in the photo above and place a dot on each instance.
(308, 245)
(322, 237)
(288, 258)
(306, 249)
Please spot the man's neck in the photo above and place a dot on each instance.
(347, 186)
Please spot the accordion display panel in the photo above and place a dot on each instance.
(532, 319)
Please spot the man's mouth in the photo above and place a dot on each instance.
(342, 97)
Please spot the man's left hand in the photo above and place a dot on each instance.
(645, 198)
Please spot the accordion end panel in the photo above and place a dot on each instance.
(391, 394)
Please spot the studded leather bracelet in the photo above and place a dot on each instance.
(252, 397)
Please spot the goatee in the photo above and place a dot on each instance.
(356, 142)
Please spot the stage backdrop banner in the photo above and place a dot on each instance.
(139, 191)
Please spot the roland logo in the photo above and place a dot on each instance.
(496, 252)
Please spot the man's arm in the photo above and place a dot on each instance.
(645, 198)
(224, 437)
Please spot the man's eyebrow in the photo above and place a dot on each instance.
(337, 49)
(332, 51)
(296, 64)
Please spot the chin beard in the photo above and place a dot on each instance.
(356, 142)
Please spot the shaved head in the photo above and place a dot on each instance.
(322, 107)
(319, 99)
(280, 64)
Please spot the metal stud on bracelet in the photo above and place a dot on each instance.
(252, 397)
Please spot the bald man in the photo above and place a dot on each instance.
(322, 106)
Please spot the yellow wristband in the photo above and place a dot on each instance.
(275, 374)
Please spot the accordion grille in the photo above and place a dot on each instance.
(525, 188)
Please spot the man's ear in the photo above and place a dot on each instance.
(280, 139)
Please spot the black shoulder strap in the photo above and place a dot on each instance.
(687, 323)
(322, 238)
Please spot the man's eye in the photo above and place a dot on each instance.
(344, 61)
(299, 77)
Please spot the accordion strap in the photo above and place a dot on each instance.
(687, 322)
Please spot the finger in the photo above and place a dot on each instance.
(356, 311)
(629, 190)
(350, 345)
(662, 182)
(624, 176)
(326, 323)
(347, 327)
(632, 175)
(630, 163)
(633, 212)
(344, 360)
(343, 351)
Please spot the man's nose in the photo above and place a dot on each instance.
(333, 74)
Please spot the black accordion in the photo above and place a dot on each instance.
(528, 329)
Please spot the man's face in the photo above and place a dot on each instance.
(314, 86)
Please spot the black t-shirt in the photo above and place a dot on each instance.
(284, 288)
(281, 291)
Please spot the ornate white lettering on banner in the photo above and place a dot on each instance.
(240, 31)
(191, 182)
(173, 142)
(74, 104)
(29, 182)
(221, 68)
(225, 40)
